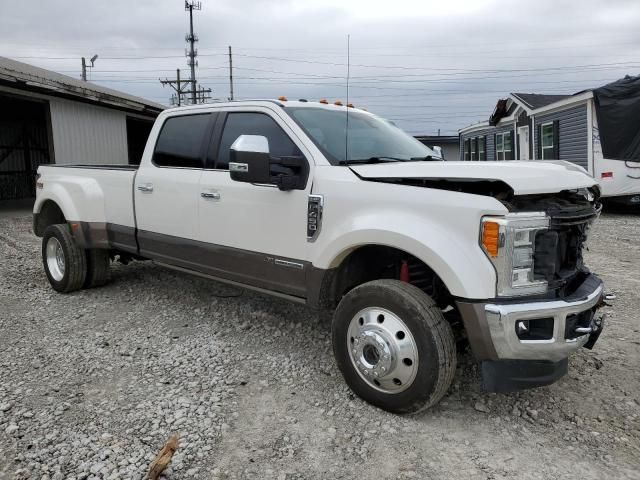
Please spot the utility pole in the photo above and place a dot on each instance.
(230, 74)
(203, 94)
(190, 6)
(179, 86)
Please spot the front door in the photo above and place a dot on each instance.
(523, 143)
(256, 234)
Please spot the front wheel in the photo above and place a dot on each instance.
(393, 346)
(64, 261)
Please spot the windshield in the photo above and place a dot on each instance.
(370, 137)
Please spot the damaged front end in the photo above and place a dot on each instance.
(558, 249)
(522, 339)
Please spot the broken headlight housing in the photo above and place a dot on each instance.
(510, 243)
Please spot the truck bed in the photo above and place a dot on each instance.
(91, 193)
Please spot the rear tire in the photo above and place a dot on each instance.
(98, 262)
(393, 346)
(64, 261)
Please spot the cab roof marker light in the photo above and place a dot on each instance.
(324, 101)
(350, 105)
(338, 102)
(282, 98)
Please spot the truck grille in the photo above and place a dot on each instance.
(558, 253)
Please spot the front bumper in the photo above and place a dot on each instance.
(491, 326)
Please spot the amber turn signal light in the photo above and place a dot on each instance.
(490, 235)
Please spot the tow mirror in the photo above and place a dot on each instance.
(251, 162)
(249, 159)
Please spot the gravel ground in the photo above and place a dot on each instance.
(93, 383)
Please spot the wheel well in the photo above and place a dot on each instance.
(376, 262)
(50, 214)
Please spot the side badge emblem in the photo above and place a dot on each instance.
(314, 216)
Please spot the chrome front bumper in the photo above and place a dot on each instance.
(491, 327)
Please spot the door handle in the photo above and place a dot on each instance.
(146, 188)
(211, 195)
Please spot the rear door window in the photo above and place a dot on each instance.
(181, 140)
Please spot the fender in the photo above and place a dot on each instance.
(62, 193)
(454, 256)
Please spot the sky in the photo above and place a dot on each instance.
(430, 66)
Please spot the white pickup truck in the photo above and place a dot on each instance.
(336, 208)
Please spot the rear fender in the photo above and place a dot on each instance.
(78, 198)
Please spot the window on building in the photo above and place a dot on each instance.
(504, 146)
(248, 123)
(180, 141)
(475, 148)
(546, 141)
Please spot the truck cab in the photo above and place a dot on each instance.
(336, 208)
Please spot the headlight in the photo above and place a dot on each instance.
(510, 243)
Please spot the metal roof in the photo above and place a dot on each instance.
(537, 100)
(28, 77)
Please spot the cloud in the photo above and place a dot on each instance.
(428, 65)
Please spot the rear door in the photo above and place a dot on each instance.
(256, 234)
(167, 194)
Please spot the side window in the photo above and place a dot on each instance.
(180, 141)
(241, 123)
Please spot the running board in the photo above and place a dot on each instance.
(284, 296)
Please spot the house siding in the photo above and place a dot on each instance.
(573, 134)
(490, 133)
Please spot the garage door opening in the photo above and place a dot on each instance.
(24, 145)
(137, 133)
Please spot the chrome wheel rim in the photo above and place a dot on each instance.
(55, 259)
(382, 350)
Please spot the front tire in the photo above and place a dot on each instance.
(64, 261)
(393, 346)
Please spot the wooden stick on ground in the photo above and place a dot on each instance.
(164, 457)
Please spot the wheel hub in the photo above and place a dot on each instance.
(382, 350)
(372, 353)
(55, 259)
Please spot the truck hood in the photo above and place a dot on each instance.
(524, 178)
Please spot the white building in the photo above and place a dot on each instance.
(46, 117)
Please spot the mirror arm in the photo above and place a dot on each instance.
(287, 182)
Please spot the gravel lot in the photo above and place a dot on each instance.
(93, 383)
